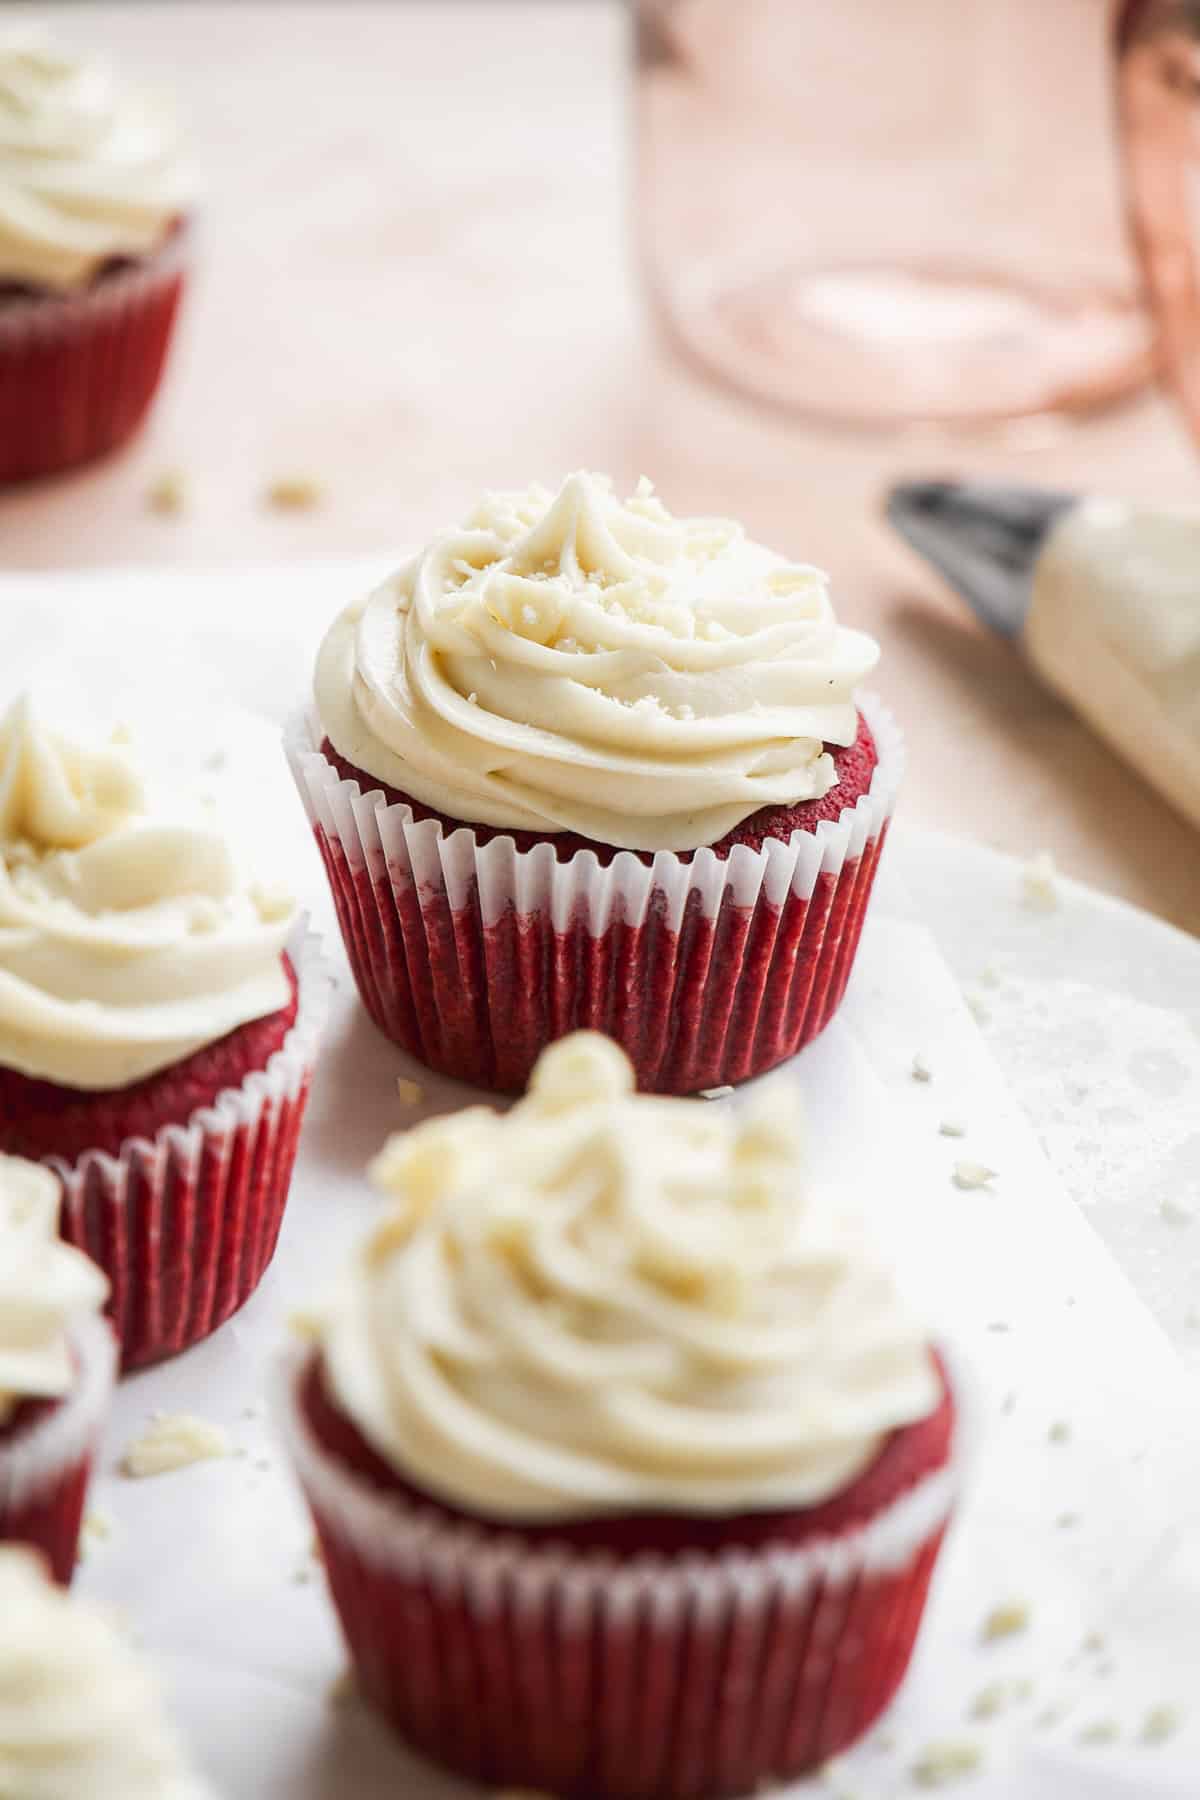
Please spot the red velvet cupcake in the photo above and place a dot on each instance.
(57, 1366)
(581, 764)
(93, 249)
(629, 1468)
(159, 1021)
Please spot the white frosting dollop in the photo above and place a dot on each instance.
(89, 168)
(607, 1302)
(126, 941)
(45, 1285)
(575, 662)
(80, 1717)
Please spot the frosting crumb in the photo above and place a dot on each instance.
(174, 1441)
(972, 1175)
(294, 493)
(1005, 1621)
(306, 1324)
(343, 1689)
(167, 494)
(991, 1701)
(1059, 1432)
(1101, 1731)
(921, 1070)
(97, 1529)
(715, 1093)
(1160, 1723)
(977, 1007)
(952, 1128)
(1039, 881)
(1176, 1211)
(950, 1760)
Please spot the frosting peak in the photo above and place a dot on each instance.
(127, 941)
(80, 1719)
(577, 662)
(603, 1301)
(45, 1285)
(59, 796)
(89, 168)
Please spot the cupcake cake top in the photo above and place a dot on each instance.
(575, 662)
(45, 1286)
(604, 1302)
(80, 1718)
(89, 167)
(128, 940)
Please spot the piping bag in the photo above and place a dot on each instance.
(1102, 596)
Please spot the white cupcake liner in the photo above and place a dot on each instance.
(578, 1670)
(475, 955)
(184, 1225)
(44, 1469)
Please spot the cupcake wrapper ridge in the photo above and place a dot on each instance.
(44, 1470)
(184, 1226)
(576, 1673)
(77, 373)
(474, 956)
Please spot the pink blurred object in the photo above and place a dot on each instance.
(889, 214)
(1158, 82)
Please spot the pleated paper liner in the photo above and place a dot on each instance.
(474, 956)
(78, 372)
(184, 1225)
(577, 1672)
(46, 1460)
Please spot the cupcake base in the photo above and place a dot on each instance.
(78, 372)
(41, 1119)
(46, 1454)
(184, 1224)
(519, 1658)
(473, 953)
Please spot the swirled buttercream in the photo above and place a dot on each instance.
(45, 1285)
(80, 1718)
(575, 662)
(89, 168)
(127, 941)
(607, 1302)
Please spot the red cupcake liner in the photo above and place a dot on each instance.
(473, 957)
(184, 1225)
(578, 1673)
(46, 1463)
(77, 373)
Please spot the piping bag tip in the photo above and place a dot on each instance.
(983, 539)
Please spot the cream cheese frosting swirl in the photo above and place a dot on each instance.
(80, 1717)
(45, 1285)
(127, 941)
(607, 1302)
(89, 168)
(578, 663)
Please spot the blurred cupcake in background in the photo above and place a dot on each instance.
(80, 1716)
(159, 1021)
(94, 213)
(57, 1365)
(629, 1466)
(583, 764)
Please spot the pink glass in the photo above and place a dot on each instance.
(885, 212)
(1158, 84)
